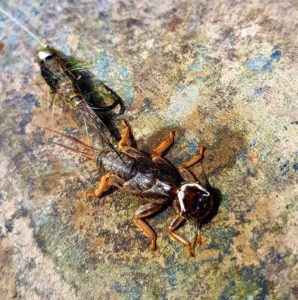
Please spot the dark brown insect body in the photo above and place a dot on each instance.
(151, 177)
(157, 181)
(55, 71)
(137, 173)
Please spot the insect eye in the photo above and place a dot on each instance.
(199, 203)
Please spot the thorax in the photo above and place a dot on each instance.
(156, 179)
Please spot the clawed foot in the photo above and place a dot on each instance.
(153, 245)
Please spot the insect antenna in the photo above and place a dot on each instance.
(73, 139)
(40, 42)
(89, 157)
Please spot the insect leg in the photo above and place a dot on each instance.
(174, 225)
(143, 212)
(125, 133)
(196, 158)
(197, 239)
(126, 136)
(163, 146)
(105, 182)
(103, 185)
(117, 99)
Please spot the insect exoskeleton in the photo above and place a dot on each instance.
(195, 202)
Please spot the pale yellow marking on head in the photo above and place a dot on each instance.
(43, 54)
(181, 193)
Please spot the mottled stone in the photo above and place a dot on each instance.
(220, 73)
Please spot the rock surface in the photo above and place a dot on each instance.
(222, 74)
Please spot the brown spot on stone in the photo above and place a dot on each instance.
(83, 219)
(97, 244)
(225, 151)
(251, 158)
(7, 273)
(2, 45)
(245, 243)
(50, 181)
(174, 22)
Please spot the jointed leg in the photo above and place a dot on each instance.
(105, 182)
(174, 225)
(187, 175)
(102, 187)
(117, 99)
(143, 212)
(125, 133)
(197, 240)
(196, 158)
(127, 144)
(163, 146)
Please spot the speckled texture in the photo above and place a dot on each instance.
(222, 74)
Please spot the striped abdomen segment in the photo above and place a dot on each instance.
(65, 88)
(139, 174)
(71, 94)
(53, 70)
(117, 164)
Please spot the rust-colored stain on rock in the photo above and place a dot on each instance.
(224, 152)
(174, 23)
(7, 271)
(2, 46)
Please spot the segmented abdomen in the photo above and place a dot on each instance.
(54, 71)
(117, 164)
(66, 89)
(140, 174)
